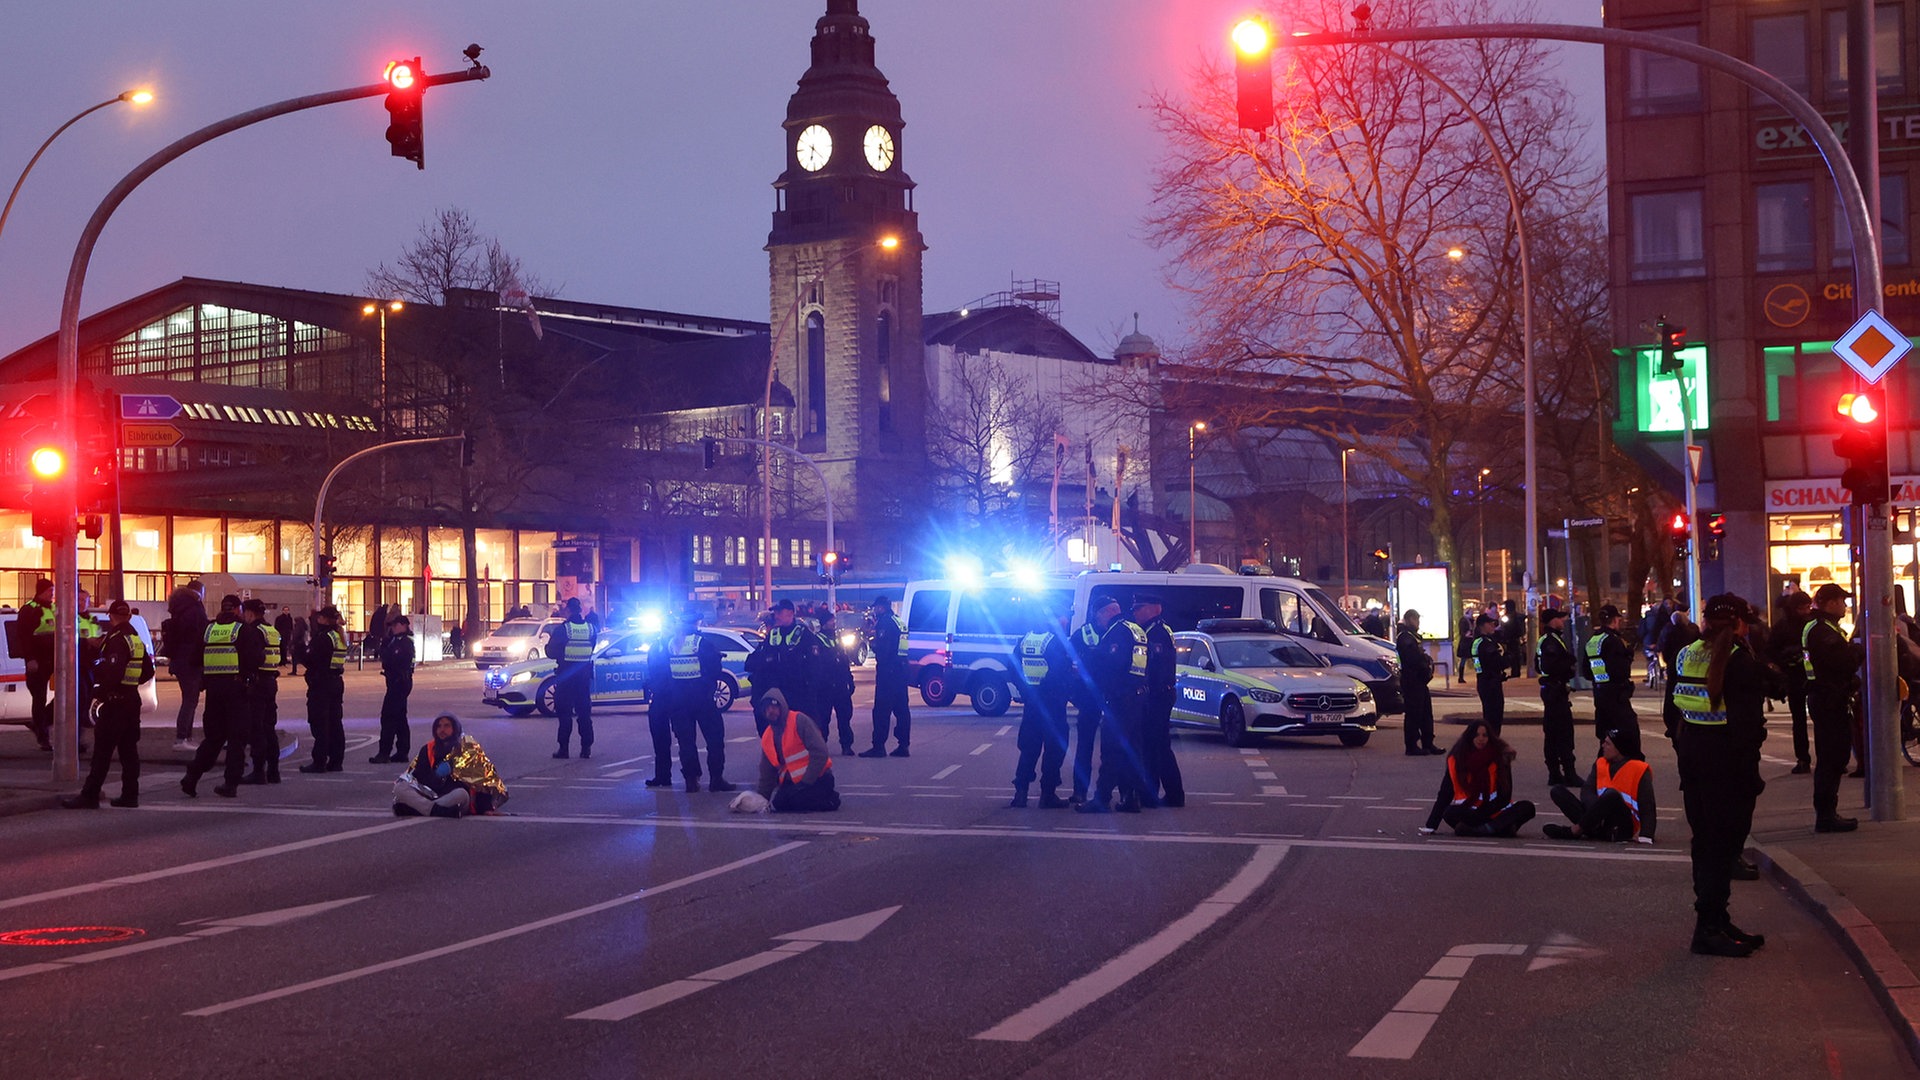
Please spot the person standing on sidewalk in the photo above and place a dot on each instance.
(1490, 672)
(326, 692)
(396, 666)
(186, 627)
(122, 667)
(1832, 665)
(1721, 694)
(1416, 672)
(1555, 660)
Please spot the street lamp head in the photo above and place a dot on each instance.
(369, 309)
(394, 305)
(889, 242)
(137, 97)
(1199, 425)
(1252, 37)
(1456, 253)
(1484, 472)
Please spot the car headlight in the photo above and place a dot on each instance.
(1366, 695)
(848, 639)
(1269, 697)
(524, 676)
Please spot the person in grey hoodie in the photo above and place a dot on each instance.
(185, 637)
(796, 775)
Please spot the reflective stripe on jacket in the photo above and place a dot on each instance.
(683, 658)
(339, 662)
(1033, 657)
(1690, 687)
(221, 656)
(579, 643)
(791, 757)
(1595, 665)
(1626, 782)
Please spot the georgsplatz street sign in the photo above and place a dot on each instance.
(149, 407)
(1872, 346)
(150, 435)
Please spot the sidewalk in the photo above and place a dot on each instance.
(1864, 886)
(26, 771)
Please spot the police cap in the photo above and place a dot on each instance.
(119, 607)
(1606, 613)
(1147, 599)
(255, 605)
(229, 601)
(783, 605)
(1829, 592)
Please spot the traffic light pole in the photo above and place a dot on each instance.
(832, 584)
(320, 501)
(66, 552)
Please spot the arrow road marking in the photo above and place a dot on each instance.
(1399, 1034)
(214, 928)
(797, 942)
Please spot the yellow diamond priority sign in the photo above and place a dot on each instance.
(1872, 346)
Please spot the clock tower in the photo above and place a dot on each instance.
(845, 280)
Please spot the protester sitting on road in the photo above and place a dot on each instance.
(796, 775)
(451, 776)
(1476, 794)
(1616, 802)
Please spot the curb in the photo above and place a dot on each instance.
(1893, 982)
(27, 804)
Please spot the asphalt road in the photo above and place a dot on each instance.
(1289, 922)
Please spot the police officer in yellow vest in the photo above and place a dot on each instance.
(123, 665)
(326, 692)
(693, 668)
(570, 646)
(1120, 668)
(1046, 681)
(263, 696)
(227, 654)
(1610, 665)
(1832, 665)
(1720, 687)
(1085, 696)
(1490, 672)
(33, 642)
(1617, 801)
(890, 707)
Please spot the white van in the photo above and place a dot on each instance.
(963, 637)
(16, 705)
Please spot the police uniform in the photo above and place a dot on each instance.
(1416, 671)
(890, 683)
(570, 646)
(1046, 682)
(660, 710)
(1555, 662)
(833, 682)
(693, 668)
(1120, 667)
(34, 630)
(227, 654)
(326, 693)
(1610, 665)
(263, 701)
(396, 667)
(1489, 673)
(1831, 665)
(1087, 706)
(787, 660)
(1159, 769)
(122, 666)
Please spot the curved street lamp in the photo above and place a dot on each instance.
(132, 97)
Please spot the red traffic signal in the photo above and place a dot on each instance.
(1862, 443)
(1673, 338)
(406, 132)
(1253, 74)
(47, 463)
(1680, 528)
(50, 492)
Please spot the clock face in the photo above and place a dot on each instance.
(814, 148)
(879, 148)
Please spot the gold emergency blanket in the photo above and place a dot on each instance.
(472, 768)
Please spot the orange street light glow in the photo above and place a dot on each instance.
(1456, 253)
(137, 97)
(1251, 37)
(889, 242)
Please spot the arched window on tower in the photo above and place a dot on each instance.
(883, 353)
(816, 374)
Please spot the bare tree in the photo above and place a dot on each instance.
(989, 437)
(450, 252)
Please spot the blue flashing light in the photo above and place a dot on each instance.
(965, 571)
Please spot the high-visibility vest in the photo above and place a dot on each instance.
(221, 656)
(46, 622)
(273, 638)
(1138, 666)
(87, 628)
(1690, 687)
(684, 657)
(792, 635)
(579, 644)
(1596, 666)
(900, 625)
(136, 659)
(1033, 657)
(1461, 796)
(1479, 661)
(795, 752)
(1626, 782)
(339, 661)
(1806, 658)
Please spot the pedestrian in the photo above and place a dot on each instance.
(297, 651)
(263, 697)
(283, 629)
(33, 641)
(1722, 700)
(1678, 633)
(796, 775)
(1832, 665)
(1554, 658)
(1616, 803)
(227, 653)
(396, 667)
(693, 670)
(1374, 622)
(376, 631)
(1416, 675)
(457, 643)
(1046, 682)
(1463, 637)
(1085, 695)
(452, 776)
(833, 680)
(1159, 770)
(326, 692)
(1120, 670)
(1513, 638)
(1476, 794)
(1784, 660)
(787, 658)
(1610, 666)
(1490, 672)
(570, 646)
(116, 676)
(890, 708)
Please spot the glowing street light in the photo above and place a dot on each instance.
(1193, 498)
(140, 96)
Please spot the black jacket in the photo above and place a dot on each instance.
(787, 659)
(1555, 658)
(1162, 668)
(186, 632)
(1836, 661)
(1416, 667)
(1492, 668)
(396, 657)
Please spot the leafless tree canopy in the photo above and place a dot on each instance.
(990, 437)
(450, 252)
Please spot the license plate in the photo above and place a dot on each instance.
(1326, 718)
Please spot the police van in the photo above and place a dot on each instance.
(16, 705)
(964, 636)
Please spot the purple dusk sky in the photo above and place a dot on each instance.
(624, 151)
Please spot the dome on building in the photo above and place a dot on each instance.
(1136, 348)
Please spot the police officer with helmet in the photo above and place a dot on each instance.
(1046, 682)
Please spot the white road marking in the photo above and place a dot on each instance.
(210, 864)
(1265, 774)
(1222, 802)
(1356, 798)
(621, 773)
(1399, 1034)
(626, 761)
(744, 738)
(1250, 752)
(1318, 805)
(1278, 790)
(1003, 730)
(1037, 1018)
(981, 749)
(498, 935)
(946, 772)
(843, 931)
(1407, 809)
(217, 928)
(935, 795)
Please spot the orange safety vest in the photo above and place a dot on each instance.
(794, 752)
(1460, 794)
(1626, 782)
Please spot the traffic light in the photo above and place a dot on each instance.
(323, 570)
(1253, 74)
(1673, 338)
(708, 449)
(1715, 532)
(405, 131)
(1862, 442)
(50, 492)
(830, 566)
(1680, 530)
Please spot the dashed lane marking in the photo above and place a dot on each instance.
(1004, 728)
(626, 761)
(1222, 802)
(1265, 775)
(946, 772)
(1278, 791)
(981, 749)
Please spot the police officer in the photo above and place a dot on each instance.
(833, 681)
(1784, 655)
(123, 665)
(889, 681)
(1159, 771)
(693, 664)
(1120, 669)
(1490, 672)
(263, 697)
(659, 682)
(227, 655)
(786, 658)
(326, 692)
(1046, 681)
(1610, 665)
(570, 647)
(396, 667)
(34, 630)
(1554, 658)
(1721, 693)
(1088, 703)
(1416, 672)
(1832, 665)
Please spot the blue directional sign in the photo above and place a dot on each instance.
(149, 407)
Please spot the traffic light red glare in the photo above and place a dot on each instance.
(405, 130)
(1862, 445)
(47, 463)
(1858, 408)
(1253, 74)
(1673, 339)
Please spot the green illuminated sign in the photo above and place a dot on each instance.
(1659, 396)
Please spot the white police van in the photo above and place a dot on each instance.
(16, 705)
(964, 636)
